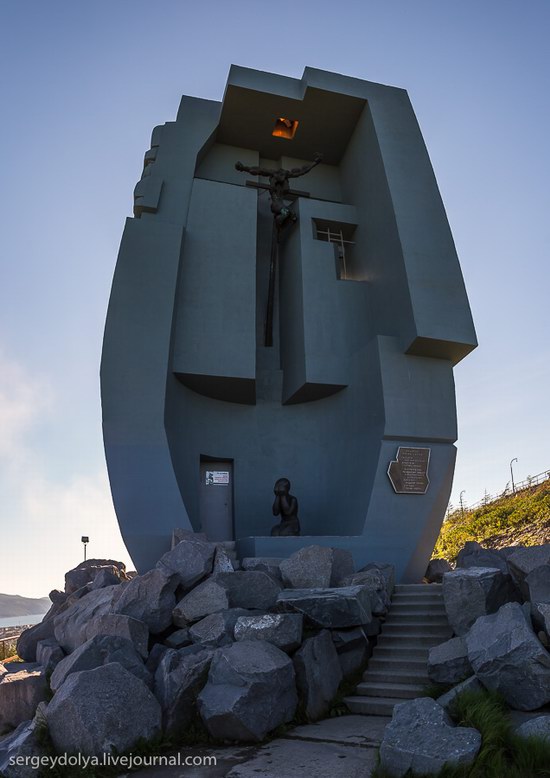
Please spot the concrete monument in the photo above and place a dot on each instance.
(353, 398)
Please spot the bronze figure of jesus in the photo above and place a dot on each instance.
(279, 187)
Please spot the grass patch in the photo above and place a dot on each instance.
(503, 754)
(525, 515)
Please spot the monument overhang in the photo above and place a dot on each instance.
(326, 119)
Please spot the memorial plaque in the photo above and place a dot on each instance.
(408, 472)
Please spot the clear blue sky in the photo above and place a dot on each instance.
(82, 86)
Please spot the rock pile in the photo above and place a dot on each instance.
(498, 613)
(196, 640)
(498, 603)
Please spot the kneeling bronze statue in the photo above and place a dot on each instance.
(285, 506)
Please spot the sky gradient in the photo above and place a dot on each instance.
(83, 85)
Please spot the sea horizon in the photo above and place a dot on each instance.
(21, 621)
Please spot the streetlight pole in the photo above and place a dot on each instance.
(461, 502)
(515, 459)
(85, 540)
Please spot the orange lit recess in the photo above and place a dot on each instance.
(285, 128)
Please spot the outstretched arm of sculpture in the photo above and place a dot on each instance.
(255, 171)
(300, 171)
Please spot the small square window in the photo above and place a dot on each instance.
(341, 235)
(285, 128)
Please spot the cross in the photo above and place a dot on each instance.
(292, 195)
(282, 216)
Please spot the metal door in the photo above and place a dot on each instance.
(216, 500)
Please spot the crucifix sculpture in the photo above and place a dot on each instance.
(279, 191)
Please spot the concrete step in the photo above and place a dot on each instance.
(420, 596)
(372, 706)
(437, 628)
(401, 690)
(429, 604)
(425, 626)
(392, 651)
(411, 640)
(418, 605)
(397, 665)
(428, 617)
(432, 588)
(391, 675)
(400, 642)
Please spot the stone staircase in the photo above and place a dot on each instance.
(397, 670)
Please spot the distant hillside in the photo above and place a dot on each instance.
(14, 605)
(515, 519)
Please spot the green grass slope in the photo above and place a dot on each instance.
(516, 519)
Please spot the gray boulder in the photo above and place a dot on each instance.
(509, 550)
(107, 576)
(507, 656)
(20, 693)
(540, 615)
(29, 639)
(150, 598)
(353, 649)
(328, 608)
(57, 596)
(178, 680)
(284, 630)
(524, 561)
(538, 727)
(155, 657)
(536, 585)
(264, 564)
(375, 582)
(222, 561)
(71, 625)
(217, 629)
(206, 598)
(421, 738)
(250, 691)
(448, 662)
(476, 591)
(21, 744)
(85, 572)
(48, 654)
(250, 589)
(178, 639)
(318, 674)
(436, 570)
(316, 567)
(191, 560)
(471, 684)
(122, 626)
(101, 650)
(103, 710)
(469, 548)
(474, 555)
(387, 570)
(180, 534)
